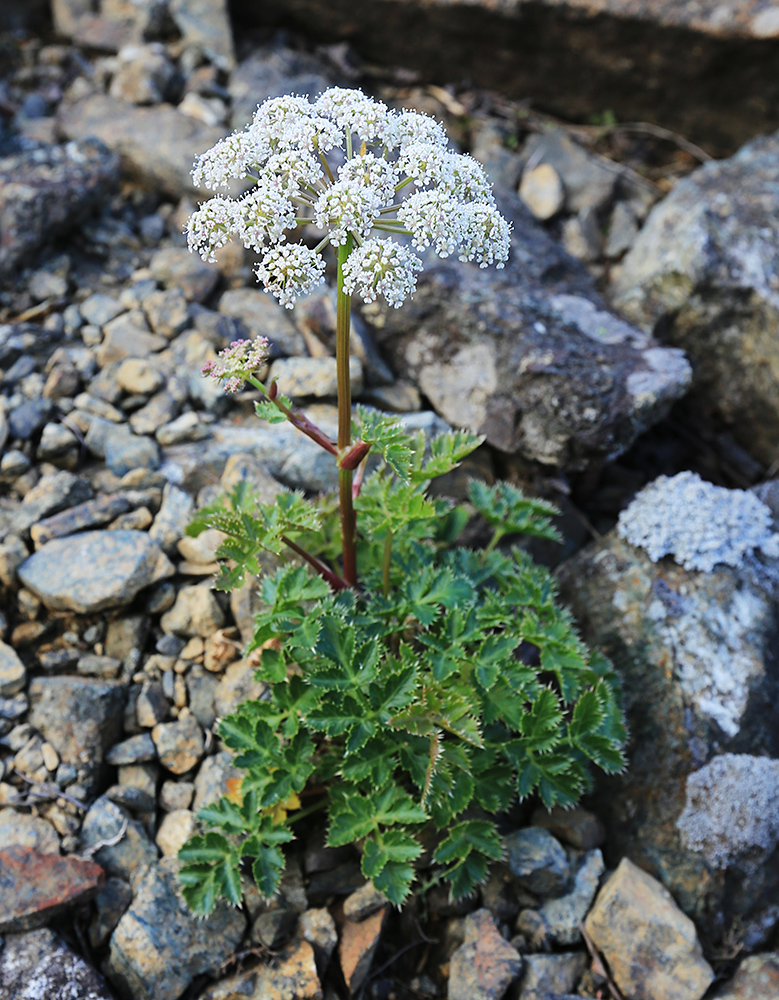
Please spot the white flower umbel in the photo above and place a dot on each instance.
(291, 270)
(393, 177)
(382, 267)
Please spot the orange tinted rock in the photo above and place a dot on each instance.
(35, 887)
(358, 946)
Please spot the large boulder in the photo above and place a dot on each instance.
(158, 145)
(682, 598)
(47, 190)
(703, 274)
(706, 68)
(530, 356)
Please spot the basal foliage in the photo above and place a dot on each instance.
(413, 707)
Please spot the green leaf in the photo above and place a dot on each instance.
(541, 725)
(210, 869)
(511, 512)
(444, 453)
(386, 436)
(266, 410)
(394, 880)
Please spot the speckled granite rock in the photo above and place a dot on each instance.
(158, 926)
(697, 655)
(37, 964)
(48, 190)
(703, 273)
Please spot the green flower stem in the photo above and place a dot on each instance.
(348, 519)
(385, 566)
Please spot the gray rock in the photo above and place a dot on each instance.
(144, 74)
(694, 651)
(176, 267)
(13, 674)
(28, 831)
(702, 272)
(53, 492)
(135, 750)
(529, 356)
(201, 688)
(29, 417)
(56, 442)
(133, 851)
(160, 410)
(623, 230)
(564, 915)
(110, 903)
(138, 375)
(81, 717)
(187, 427)
(485, 965)
(272, 72)
(205, 25)
(212, 777)
(196, 612)
(47, 190)
(588, 180)
(538, 861)
(91, 514)
(100, 309)
(37, 964)
(238, 684)
(167, 311)
(264, 317)
(159, 946)
(126, 337)
(157, 145)
(316, 377)
(544, 975)
(180, 744)
(94, 571)
(172, 519)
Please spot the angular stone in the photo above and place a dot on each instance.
(538, 861)
(13, 673)
(172, 519)
(542, 191)
(564, 915)
(196, 612)
(551, 975)
(578, 827)
(24, 830)
(94, 571)
(47, 190)
(318, 928)
(138, 375)
(54, 492)
(81, 717)
(136, 750)
(485, 965)
(757, 978)
(157, 145)
(364, 903)
(313, 377)
(205, 25)
(177, 268)
(100, 309)
(37, 964)
(179, 744)
(289, 975)
(703, 273)
(651, 947)
(175, 830)
(357, 947)
(125, 339)
(129, 852)
(212, 778)
(36, 887)
(238, 684)
(110, 903)
(160, 946)
(91, 514)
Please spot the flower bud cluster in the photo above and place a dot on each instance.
(238, 362)
(397, 179)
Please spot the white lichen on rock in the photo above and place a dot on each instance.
(732, 809)
(699, 524)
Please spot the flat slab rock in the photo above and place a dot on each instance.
(46, 190)
(35, 887)
(529, 356)
(157, 145)
(95, 570)
(38, 964)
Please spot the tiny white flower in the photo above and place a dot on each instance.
(290, 270)
(354, 112)
(433, 218)
(382, 267)
(211, 226)
(264, 214)
(372, 172)
(412, 126)
(486, 235)
(426, 163)
(466, 180)
(228, 159)
(295, 170)
(346, 207)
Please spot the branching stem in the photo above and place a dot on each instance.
(348, 519)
